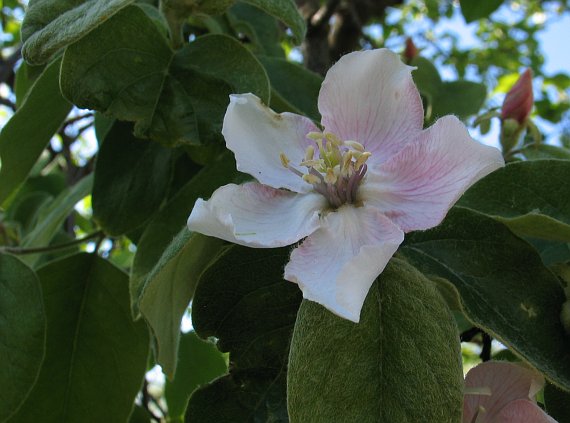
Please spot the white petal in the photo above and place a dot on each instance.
(507, 382)
(257, 215)
(417, 187)
(370, 97)
(336, 265)
(257, 136)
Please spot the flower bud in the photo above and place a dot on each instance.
(519, 100)
(411, 51)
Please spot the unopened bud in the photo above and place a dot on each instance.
(519, 100)
(411, 51)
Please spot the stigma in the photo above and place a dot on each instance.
(334, 167)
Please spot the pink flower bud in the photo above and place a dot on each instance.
(411, 51)
(519, 100)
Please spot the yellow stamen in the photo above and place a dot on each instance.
(330, 177)
(354, 145)
(333, 139)
(362, 159)
(315, 136)
(284, 160)
(311, 163)
(309, 153)
(311, 179)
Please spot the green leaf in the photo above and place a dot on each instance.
(27, 133)
(385, 368)
(169, 288)
(244, 396)
(502, 286)
(473, 10)
(532, 198)
(52, 25)
(426, 76)
(557, 403)
(286, 11)
(545, 151)
(126, 68)
(172, 219)
(242, 298)
(23, 333)
(199, 362)
(461, 98)
(52, 217)
(295, 89)
(96, 356)
(131, 180)
(243, 301)
(261, 29)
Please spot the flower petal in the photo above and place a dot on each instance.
(370, 97)
(506, 381)
(523, 411)
(418, 186)
(257, 136)
(336, 265)
(255, 215)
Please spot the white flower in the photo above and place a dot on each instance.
(351, 190)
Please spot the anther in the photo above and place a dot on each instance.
(333, 139)
(284, 160)
(362, 159)
(354, 145)
(330, 177)
(315, 136)
(311, 179)
(309, 153)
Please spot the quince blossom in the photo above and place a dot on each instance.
(350, 191)
(503, 393)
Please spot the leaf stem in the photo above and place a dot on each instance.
(19, 250)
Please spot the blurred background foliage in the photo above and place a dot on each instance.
(487, 43)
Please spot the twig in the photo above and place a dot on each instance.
(323, 15)
(19, 250)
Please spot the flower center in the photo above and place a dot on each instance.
(336, 170)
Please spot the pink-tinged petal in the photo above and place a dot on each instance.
(336, 265)
(370, 97)
(257, 136)
(417, 187)
(256, 215)
(507, 382)
(523, 411)
(519, 100)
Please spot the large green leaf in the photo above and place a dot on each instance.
(401, 363)
(169, 288)
(131, 180)
(557, 403)
(126, 68)
(27, 133)
(286, 11)
(96, 355)
(532, 198)
(294, 88)
(261, 29)
(501, 284)
(243, 301)
(51, 25)
(199, 362)
(477, 9)
(461, 98)
(23, 333)
(172, 218)
(53, 215)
